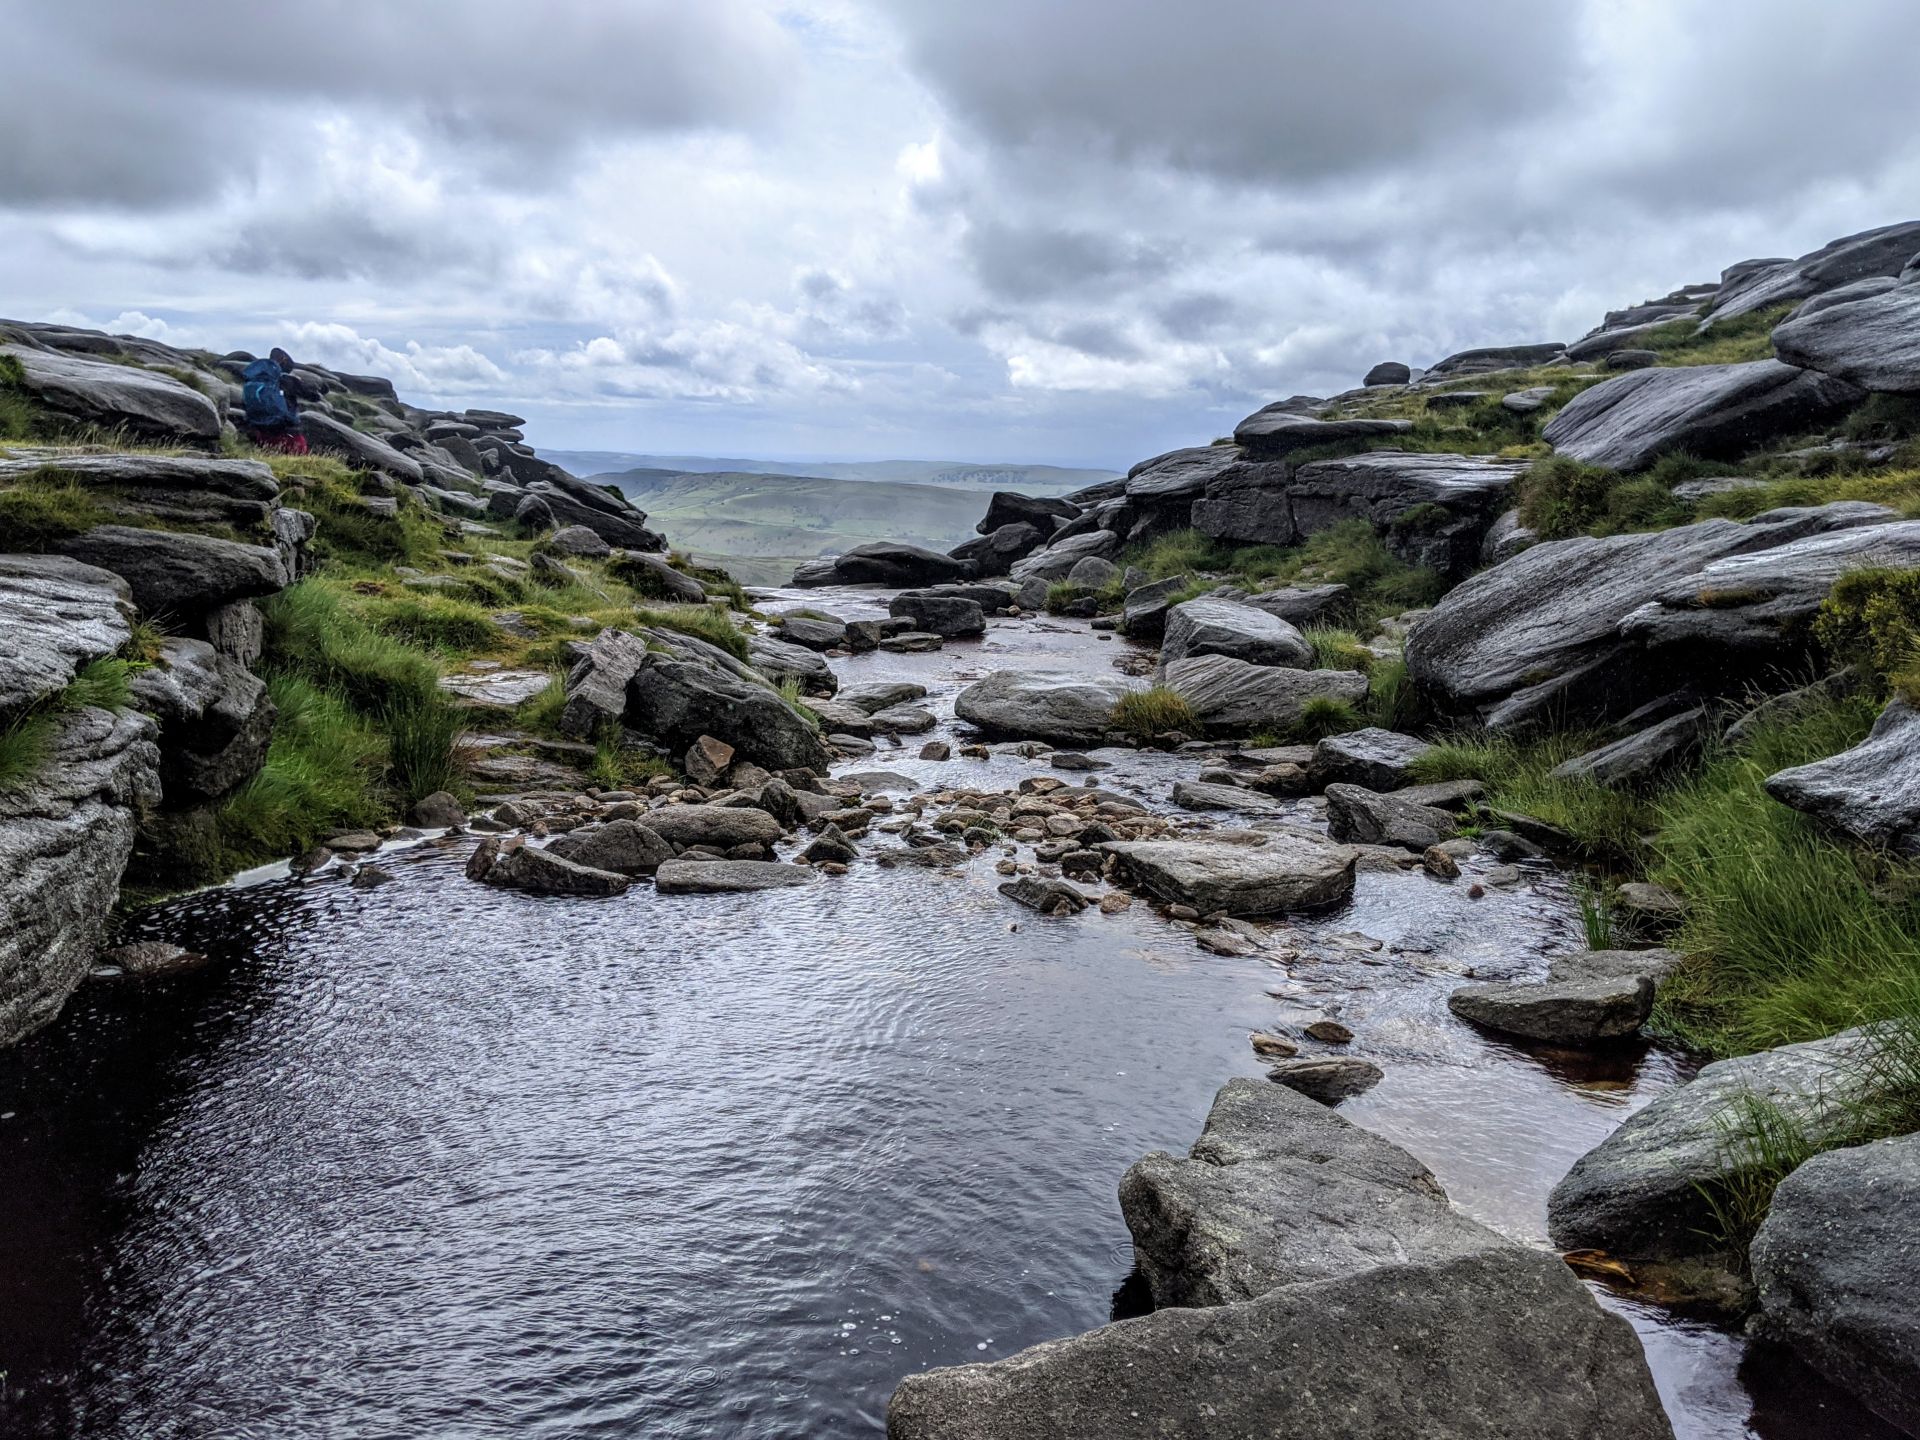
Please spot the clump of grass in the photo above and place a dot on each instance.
(1596, 915)
(312, 632)
(349, 534)
(27, 739)
(1728, 342)
(322, 775)
(44, 509)
(1336, 649)
(1604, 825)
(542, 712)
(1878, 1090)
(422, 737)
(1791, 935)
(1560, 497)
(435, 622)
(1873, 617)
(703, 622)
(1325, 715)
(1393, 700)
(1063, 593)
(791, 692)
(1157, 710)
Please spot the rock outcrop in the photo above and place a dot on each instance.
(1710, 411)
(1869, 339)
(1042, 705)
(1230, 696)
(1568, 627)
(1274, 872)
(1213, 626)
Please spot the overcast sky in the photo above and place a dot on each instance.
(1078, 231)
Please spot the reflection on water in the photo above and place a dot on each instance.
(435, 1159)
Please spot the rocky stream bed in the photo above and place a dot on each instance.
(736, 1164)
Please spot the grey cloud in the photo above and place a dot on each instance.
(1019, 262)
(1196, 314)
(1246, 89)
(183, 96)
(1099, 338)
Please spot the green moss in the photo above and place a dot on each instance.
(1872, 617)
(44, 509)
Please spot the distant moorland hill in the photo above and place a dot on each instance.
(1029, 479)
(760, 525)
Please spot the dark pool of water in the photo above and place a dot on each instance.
(438, 1160)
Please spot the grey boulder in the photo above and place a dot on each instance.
(1870, 793)
(59, 614)
(1646, 1191)
(1232, 696)
(1872, 342)
(884, 562)
(1277, 431)
(1710, 411)
(178, 574)
(624, 847)
(677, 701)
(1211, 626)
(1365, 817)
(359, 449)
(142, 402)
(934, 614)
(1374, 758)
(1042, 704)
(721, 826)
(1834, 1263)
(539, 872)
(1285, 870)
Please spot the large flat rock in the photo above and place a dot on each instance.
(1288, 870)
(179, 575)
(1210, 625)
(728, 877)
(1277, 1190)
(1042, 704)
(1233, 696)
(1873, 342)
(1498, 1343)
(118, 397)
(1715, 412)
(1545, 633)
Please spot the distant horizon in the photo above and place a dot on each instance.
(817, 459)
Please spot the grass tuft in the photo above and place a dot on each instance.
(1156, 710)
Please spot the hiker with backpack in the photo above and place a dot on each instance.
(273, 420)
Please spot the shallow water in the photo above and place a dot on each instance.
(436, 1159)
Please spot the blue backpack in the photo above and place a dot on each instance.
(265, 402)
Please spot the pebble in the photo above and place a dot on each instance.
(1329, 1032)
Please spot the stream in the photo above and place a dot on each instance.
(437, 1159)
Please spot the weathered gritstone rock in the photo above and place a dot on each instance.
(1834, 1264)
(812, 632)
(66, 834)
(1746, 603)
(1387, 372)
(1374, 1311)
(623, 847)
(597, 684)
(1756, 284)
(721, 826)
(1229, 696)
(215, 721)
(1143, 614)
(1210, 626)
(675, 702)
(1489, 359)
(1643, 756)
(1710, 411)
(1871, 792)
(1545, 633)
(1277, 1190)
(883, 562)
(540, 872)
(179, 575)
(875, 696)
(1288, 870)
(143, 402)
(1007, 507)
(728, 877)
(1327, 1079)
(778, 660)
(1277, 430)
(1871, 340)
(183, 475)
(934, 614)
(1057, 560)
(1560, 1012)
(1431, 509)
(57, 615)
(1304, 605)
(1042, 704)
(1364, 817)
(651, 575)
(1643, 1193)
(1373, 758)
(1197, 795)
(359, 449)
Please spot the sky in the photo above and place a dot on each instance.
(1067, 231)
